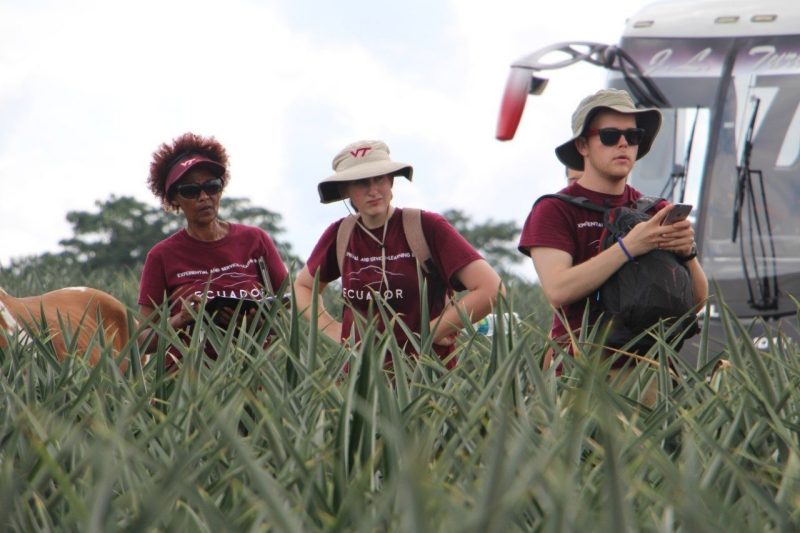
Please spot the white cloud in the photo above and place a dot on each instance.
(90, 88)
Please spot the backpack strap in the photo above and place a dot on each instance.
(412, 227)
(343, 239)
(579, 201)
(646, 203)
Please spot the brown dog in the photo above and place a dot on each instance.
(77, 308)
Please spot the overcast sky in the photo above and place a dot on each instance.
(88, 89)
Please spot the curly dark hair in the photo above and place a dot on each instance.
(170, 153)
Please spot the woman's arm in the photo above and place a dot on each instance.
(483, 285)
(303, 289)
(177, 321)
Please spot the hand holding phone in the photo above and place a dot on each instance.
(218, 302)
(677, 213)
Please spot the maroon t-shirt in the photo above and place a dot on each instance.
(363, 273)
(181, 265)
(553, 223)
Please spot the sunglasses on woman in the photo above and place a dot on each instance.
(610, 136)
(190, 191)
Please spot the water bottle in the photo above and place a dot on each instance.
(485, 326)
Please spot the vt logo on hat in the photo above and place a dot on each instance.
(360, 152)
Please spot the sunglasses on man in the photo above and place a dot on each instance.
(610, 136)
(191, 191)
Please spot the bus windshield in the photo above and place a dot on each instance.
(729, 144)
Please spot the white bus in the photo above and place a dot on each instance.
(726, 76)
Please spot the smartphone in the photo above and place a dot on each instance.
(677, 213)
(218, 302)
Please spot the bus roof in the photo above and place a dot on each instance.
(715, 18)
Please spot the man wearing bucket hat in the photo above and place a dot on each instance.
(210, 257)
(609, 135)
(377, 261)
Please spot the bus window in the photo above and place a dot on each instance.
(765, 99)
(674, 167)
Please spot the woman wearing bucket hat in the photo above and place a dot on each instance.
(609, 134)
(378, 262)
(210, 257)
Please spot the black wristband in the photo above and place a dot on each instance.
(692, 254)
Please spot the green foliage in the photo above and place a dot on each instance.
(122, 229)
(276, 437)
(240, 210)
(528, 300)
(497, 241)
(47, 272)
(121, 232)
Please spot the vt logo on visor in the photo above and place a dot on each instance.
(188, 162)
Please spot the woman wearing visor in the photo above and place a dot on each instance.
(209, 257)
(378, 262)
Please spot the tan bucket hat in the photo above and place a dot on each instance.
(617, 100)
(359, 160)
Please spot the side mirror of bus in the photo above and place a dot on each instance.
(521, 82)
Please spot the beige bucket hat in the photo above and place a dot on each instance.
(359, 160)
(617, 100)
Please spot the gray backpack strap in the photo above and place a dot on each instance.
(579, 201)
(646, 203)
(343, 239)
(412, 227)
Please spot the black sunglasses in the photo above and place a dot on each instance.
(610, 136)
(191, 191)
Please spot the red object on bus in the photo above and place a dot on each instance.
(517, 89)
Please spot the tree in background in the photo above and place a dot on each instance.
(240, 210)
(124, 229)
(496, 241)
(113, 241)
(119, 233)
